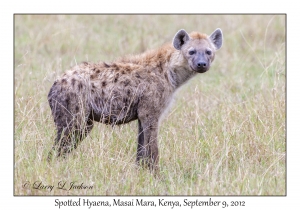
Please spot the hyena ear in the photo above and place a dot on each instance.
(217, 38)
(181, 37)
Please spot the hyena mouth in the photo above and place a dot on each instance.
(202, 70)
(199, 70)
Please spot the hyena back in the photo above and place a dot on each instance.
(132, 88)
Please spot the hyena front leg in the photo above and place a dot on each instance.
(141, 149)
(149, 150)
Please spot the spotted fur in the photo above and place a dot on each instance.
(136, 87)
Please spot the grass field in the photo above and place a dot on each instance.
(224, 135)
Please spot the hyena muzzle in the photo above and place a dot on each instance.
(131, 88)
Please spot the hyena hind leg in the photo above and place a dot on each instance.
(68, 138)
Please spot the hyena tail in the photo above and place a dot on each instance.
(72, 119)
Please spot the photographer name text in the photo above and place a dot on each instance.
(62, 185)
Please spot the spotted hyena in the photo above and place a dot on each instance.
(136, 87)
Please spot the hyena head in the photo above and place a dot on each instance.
(198, 49)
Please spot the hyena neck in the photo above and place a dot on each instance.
(178, 70)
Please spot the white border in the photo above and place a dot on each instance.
(8, 201)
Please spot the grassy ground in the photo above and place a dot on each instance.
(224, 135)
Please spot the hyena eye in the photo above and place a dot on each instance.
(192, 52)
(208, 52)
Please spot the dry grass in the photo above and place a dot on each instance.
(224, 135)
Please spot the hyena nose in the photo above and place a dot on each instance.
(201, 65)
